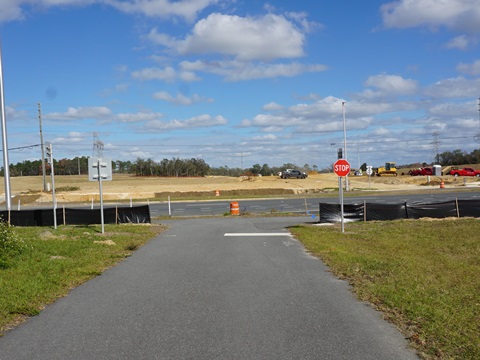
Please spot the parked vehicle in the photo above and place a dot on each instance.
(389, 169)
(464, 172)
(293, 173)
(421, 172)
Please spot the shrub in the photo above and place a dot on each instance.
(10, 244)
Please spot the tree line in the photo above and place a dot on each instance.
(194, 167)
(174, 167)
(79, 166)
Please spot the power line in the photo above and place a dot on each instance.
(23, 147)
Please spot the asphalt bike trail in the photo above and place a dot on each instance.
(212, 288)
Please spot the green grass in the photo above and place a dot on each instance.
(424, 276)
(55, 261)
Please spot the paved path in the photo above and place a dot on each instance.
(216, 288)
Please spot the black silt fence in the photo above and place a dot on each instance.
(470, 208)
(376, 211)
(66, 216)
(331, 213)
(433, 210)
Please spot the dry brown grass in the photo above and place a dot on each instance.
(124, 187)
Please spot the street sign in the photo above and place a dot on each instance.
(341, 167)
(94, 171)
(369, 170)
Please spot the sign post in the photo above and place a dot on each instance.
(52, 173)
(341, 168)
(98, 170)
(369, 173)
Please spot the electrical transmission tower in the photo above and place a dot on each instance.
(97, 146)
(477, 137)
(435, 146)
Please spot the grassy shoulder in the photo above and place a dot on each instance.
(55, 261)
(423, 275)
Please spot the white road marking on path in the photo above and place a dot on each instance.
(257, 234)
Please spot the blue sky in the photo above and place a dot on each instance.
(242, 82)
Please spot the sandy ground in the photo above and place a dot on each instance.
(79, 189)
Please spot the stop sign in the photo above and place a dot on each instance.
(341, 167)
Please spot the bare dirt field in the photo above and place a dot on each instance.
(123, 187)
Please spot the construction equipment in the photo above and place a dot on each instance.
(389, 169)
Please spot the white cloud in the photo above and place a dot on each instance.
(101, 113)
(281, 120)
(457, 15)
(14, 113)
(73, 137)
(454, 110)
(381, 132)
(239, 70)
(188, 76)
(180, 99)
(248, 41)
(194, 65)
(194, 122)
(187, 9)
(161, 39)
(119, 88)
(272, 106)
(301, 19)
(244, 38)
(230, 70)
(392, 84)
(470, 69)
(325, 115)
(138, 117)
(267, 137)
(460, 42)
(167, 74)
(98, 112)
(458, 87)
(11, 10)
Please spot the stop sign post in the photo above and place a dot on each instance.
(341, 168)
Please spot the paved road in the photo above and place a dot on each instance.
(214, 288)
(298, 205)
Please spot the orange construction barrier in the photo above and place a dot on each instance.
(234, 208)
(442, 185)
(217, 192)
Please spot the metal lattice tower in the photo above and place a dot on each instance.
(97, 146)
(435, 147)
(477, 137)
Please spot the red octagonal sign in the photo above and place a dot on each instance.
(341, 167)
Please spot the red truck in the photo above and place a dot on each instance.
(464, 172)
(421, 172)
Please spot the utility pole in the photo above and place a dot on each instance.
(41, 145)
(345, 142)
(6, 163)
